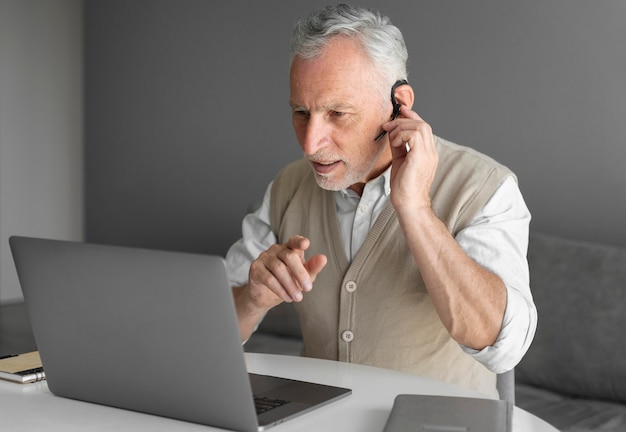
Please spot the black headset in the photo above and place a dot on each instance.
(396, 105)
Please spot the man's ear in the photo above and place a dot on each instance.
(405, 95)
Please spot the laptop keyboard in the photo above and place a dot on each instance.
(263, 404)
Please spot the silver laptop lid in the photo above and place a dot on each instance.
(108, 321)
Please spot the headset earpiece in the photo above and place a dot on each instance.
(396, 106)
(394, 102)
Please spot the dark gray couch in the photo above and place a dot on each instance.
(574, 374)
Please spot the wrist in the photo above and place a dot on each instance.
(414, 212)
(247, 306)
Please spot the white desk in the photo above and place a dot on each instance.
(31, 407)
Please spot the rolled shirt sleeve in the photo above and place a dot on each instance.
(497, 239)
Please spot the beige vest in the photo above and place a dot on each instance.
(376, 310)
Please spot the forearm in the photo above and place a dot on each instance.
(469, 299)
(248, 313)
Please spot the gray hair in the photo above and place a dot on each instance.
(382, 41)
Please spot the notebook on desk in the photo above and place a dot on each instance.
(150, 331)
(22, 368)
(428, 413)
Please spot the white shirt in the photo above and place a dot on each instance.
(497, 239)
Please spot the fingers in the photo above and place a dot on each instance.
(414, 160)
(283, 269)
(407, 132)
(298, 243)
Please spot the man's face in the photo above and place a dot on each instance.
(337, 112)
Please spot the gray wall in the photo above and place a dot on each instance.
(187, 116)
(41, 126)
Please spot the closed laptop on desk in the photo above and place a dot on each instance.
(150, 331)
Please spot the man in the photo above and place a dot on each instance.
(398, 249)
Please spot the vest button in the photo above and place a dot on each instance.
(350, 286)
(347, 336)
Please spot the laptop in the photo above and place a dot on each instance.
(429, 413)
(149, 331)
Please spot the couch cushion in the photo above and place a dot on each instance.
(571, 414)
(580, 345)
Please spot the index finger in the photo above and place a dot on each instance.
(298, 242)
(298, 270)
